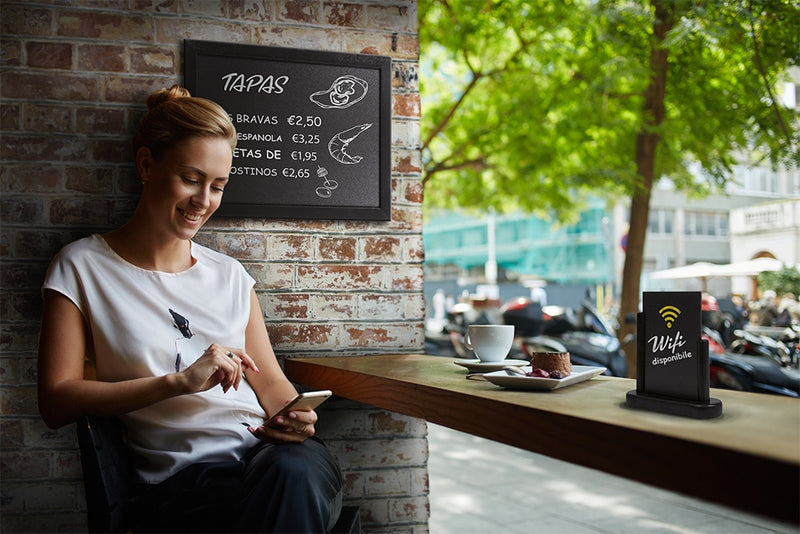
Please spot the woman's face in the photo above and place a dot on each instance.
(183, 187)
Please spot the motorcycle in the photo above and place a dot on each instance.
(746, 372)
(783, 350)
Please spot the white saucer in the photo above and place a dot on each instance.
(477, 366)
(580, 373)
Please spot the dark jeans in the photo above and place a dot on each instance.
(275, 488)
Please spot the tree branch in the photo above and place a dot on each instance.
(762, 74)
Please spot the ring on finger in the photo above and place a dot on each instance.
(230, 355)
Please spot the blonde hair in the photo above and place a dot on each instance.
(174, 114)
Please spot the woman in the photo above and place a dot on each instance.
(181, 349)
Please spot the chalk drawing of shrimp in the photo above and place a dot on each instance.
(337, 146)
(344, 92)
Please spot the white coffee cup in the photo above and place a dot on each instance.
(490, 342)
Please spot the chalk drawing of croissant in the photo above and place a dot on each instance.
(344, 92)
(337, 146)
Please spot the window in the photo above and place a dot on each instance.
(706, 223)
(660, 222)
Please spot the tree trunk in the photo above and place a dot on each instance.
(646, 145)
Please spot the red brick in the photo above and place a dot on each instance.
(330, 306)
(18, 20)
(344, 14)
(129, 90)
(153, 60)
(17, 210)
(111, 151)
(381, 248)
(88, 211)
(259, 11)
(291, 246)
(414, 190)
(24, 465)
(10, 52)
(405, 105)
(107, 26)
(405, 163)
(380, 306)
(289, 306)
(298, 11)
(37, 148)
(172, 30)
(48, 55)
(305, 335)
(101, 121)
(156, 6)
(19, 401)
(339, 276)
(10, 116)
(203, 7)
(109, 58)
(43, 86)
(337, 249)
(94, 180)
(399, 18)
(47, 118)
(243, 245)
(31, 179)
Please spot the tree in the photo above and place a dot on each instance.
(532, 105)
(785, 280)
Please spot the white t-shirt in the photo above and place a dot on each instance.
(149, 323)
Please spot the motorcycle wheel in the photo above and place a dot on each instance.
(738, 347)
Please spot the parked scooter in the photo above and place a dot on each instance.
(745, 372)
(783, 350)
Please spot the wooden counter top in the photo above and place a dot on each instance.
(748, 458)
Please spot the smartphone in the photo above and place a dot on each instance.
(303, 401)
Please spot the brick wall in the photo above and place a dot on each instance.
(74, 77)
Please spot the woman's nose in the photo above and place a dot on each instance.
(202, 198)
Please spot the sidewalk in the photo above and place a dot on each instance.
(481, 486)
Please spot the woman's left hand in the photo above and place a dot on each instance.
(294, 427)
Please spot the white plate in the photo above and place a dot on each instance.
(580, 373)
(477, 366)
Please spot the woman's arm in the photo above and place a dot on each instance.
(272, 387)
(64, 395)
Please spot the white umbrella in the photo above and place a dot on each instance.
(748, 268)
(700, 269)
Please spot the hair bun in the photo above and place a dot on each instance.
(163, 95)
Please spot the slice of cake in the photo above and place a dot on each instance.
(552, 361)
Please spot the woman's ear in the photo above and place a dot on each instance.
(144, 163)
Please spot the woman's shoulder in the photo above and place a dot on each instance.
(208, 255)
(81, 248)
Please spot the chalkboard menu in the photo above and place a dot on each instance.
(314, 129)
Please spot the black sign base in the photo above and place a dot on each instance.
(673, 406)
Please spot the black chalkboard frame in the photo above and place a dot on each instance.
(238, 204)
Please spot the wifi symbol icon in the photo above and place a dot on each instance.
(669, 314)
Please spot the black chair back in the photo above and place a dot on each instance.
(107, 472)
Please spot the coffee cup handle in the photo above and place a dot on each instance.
(467, 342)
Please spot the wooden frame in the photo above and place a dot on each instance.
(314, 129)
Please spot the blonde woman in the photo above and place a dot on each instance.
(181, 349)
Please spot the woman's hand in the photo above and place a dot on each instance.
(217, 365)
(294, 427)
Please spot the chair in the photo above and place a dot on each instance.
(108, 477)
(107, 472)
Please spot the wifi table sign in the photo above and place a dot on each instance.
(672, 372)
